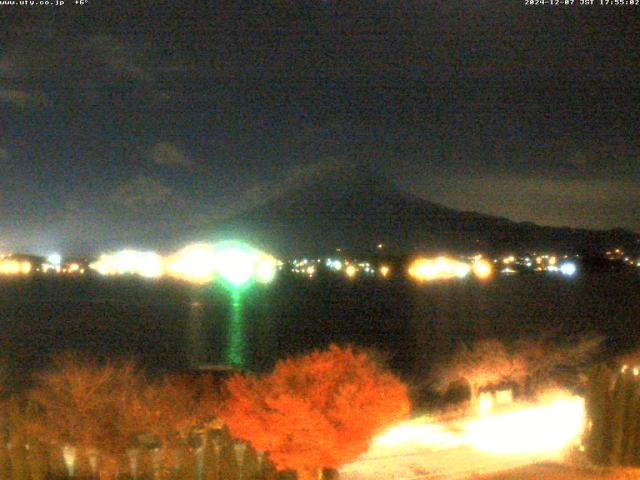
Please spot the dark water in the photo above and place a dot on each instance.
(166, 326)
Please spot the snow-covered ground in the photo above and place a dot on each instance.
(519, 435)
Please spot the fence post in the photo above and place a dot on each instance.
(598, 406)
(133, 454)
(239, 449)
(69, 456)
(5, 459)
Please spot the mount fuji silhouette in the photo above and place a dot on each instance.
(355, 209)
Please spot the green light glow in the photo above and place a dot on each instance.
(236, 265)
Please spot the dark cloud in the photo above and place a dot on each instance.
(23, 98)
(36, 55)
(168, 154)
(122, 58)
(141, 192)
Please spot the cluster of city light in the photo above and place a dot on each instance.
(334, 264)
(620, 256)
(130, 262)
(305, 266)
(547, 427)
(236, 263)
(73, 268)
(353, 269)
(443, 268)
(194, 263)
(199, 263)
(349, 268)
(10, 266)
(537, 263)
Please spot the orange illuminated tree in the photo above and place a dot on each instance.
(316, 410)
(76, 404)
(532, 364)
(484, 363)
(169, 410)
(178, 405)
(550, 363)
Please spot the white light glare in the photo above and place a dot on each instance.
(195, 263)
(568, 269)
(546, 428)
(435, 436)
(538, 429)
(54, 259)
(145, 264)
(236, 265)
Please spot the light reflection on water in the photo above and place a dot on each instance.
(252, 328)
(236, 343)
(197, 352)
(171, 326)
(216, 330)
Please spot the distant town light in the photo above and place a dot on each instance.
(351, 271)
(14, 267)
(568, 268)
(384, 270)
(428, 269)
(73, 268)
(145, 264)
(266, 269)
(482, 269)
(195, 263)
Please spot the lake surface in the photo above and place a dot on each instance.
(167, 325)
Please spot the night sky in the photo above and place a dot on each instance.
(130, 126)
